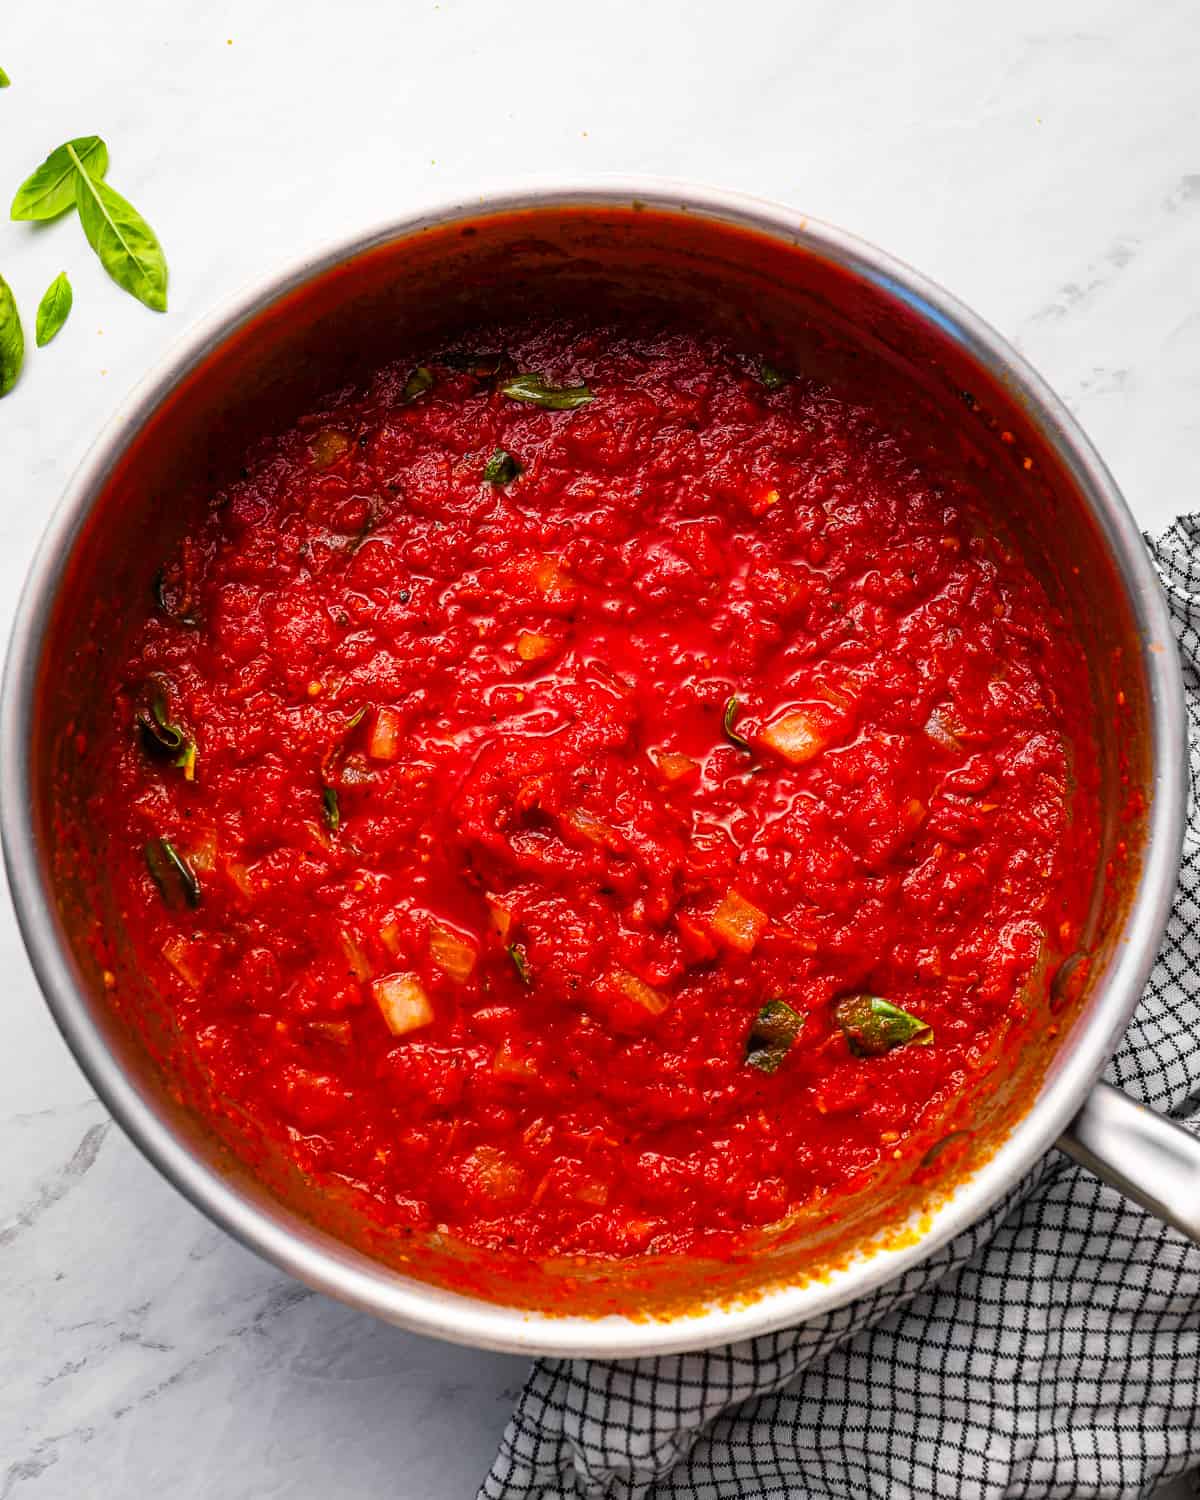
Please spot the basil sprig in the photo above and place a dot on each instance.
(533, 390)
(171, 873)
(4, 79)
(53, 309)
(12, 339)
(49, 190)
(874, 1026)
(771, 1035)
(501, 468)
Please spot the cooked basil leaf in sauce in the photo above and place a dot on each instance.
(501, 468)
(534, 390)
(333, 811)
(162, 738)
(171, 873)
(727, 723)
(772, 378)
(473, 364)
(520, 963)
(874, 1026)
(175, 606)
(418, 383)
(771, 1035)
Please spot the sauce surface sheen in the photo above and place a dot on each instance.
(515, 800)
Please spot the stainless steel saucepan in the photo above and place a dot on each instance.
(749, 270)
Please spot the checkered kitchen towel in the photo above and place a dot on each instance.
(1053, 1350)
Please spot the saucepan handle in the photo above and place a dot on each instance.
(1144, 1155)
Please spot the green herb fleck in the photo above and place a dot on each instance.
(731, 713)
(874, 1026)
(12, 339)
(418, 383)
(501, 468)
(162, 738)
(772, 378)
(771, 1035)
(333, 811)
(54, 309)
(180, 613)
(534, 390)
(49, 190)
(520, 963)
(171, 873)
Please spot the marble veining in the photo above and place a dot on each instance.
(1043, 162)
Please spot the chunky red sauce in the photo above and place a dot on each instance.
(506, 914)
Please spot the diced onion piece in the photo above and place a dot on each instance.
(796, 736)
(493, 1173)
(500, 917)
(339, 1032)
(594, 829)
(327, 447)
(402, 1002)
(511, 1062)
(452, 953)
(239, 876)
(738, 922)
(190, 960)
(532, 647)
(389, 936)
(203, 852)
(356, 960)
(635, 989)
(593, 1192)
(676, 767)
(550, 576)
(384, 740)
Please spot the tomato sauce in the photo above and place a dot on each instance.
(595, 793)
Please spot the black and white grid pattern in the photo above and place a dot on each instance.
(1053, 1350)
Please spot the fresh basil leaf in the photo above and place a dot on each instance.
(772, 378)
(418, 383)
(54, 309)
(874, 1026)
(5, 80)
(333, 811)
(501, 468)
(772, 1033)
(534, 390)
(49, 190)
(12, 339)
(171, 873)
(128, 248)
(727, 723)
(520, 963)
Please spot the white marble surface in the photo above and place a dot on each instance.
(1041, 160)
